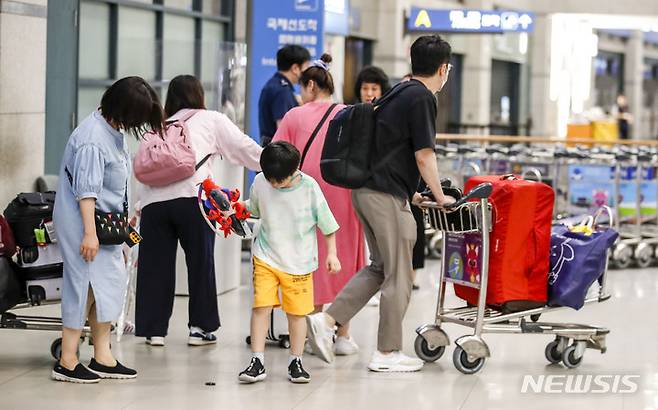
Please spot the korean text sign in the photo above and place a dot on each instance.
(273, 25)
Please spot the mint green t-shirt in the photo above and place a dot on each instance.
(287, 237)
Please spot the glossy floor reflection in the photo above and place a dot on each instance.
(175, 377)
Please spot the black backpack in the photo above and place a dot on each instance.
(27, 212)
(347, 152)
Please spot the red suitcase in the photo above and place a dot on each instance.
(519, 244)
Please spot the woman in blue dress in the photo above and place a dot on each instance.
(94, 175)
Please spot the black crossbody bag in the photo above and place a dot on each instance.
(315, 133)
(113, 228)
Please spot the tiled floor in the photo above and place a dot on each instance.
(175, 377)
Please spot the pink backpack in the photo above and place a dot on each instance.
(161, 161)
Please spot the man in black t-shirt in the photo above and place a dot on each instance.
(404, 125)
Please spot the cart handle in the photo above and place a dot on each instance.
(481, 191)
(601, 211)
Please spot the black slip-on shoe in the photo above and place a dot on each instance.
(78, 375)
(117, 372)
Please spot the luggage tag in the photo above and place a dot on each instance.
(40, 236)
(134, 237)
(50, 230)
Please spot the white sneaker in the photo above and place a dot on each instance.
(394, 362)
(345, 346)
(320, 336)
(155, 341)
(374, 301)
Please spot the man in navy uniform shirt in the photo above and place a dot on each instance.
(278, 96)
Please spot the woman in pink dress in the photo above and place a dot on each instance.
(296, 127)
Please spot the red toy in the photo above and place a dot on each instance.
(221, 205)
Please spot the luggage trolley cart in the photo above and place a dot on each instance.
(475, 217)
(535, 164)
(646, 252)
(470, 161)
(627, 180)
(563, 158)
(11, 320)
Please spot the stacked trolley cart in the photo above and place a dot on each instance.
(623, 176)
(624, 179)
(472, 214)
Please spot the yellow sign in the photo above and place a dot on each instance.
(423, 19)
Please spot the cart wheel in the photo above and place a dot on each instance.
(569, 357)
(644, 262)
(551, 352)
(434, 247)
(535, 318)
(56, 348)
(623, 263)
(425, 352)
(644, 257)
(464, 364)
(284, 342)
(622, 256)
(248, 340)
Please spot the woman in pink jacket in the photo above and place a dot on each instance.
(170, 214)
(296, 128)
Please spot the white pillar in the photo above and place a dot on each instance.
(476, 76)
(633, 67)
(391, 52)
(543, 110)
(22, 96)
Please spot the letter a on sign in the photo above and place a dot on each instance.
(423, 19)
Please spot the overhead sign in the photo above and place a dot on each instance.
(470, 21)
(337, 17)
(273, 25)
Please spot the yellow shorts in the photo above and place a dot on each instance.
(296, 290)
